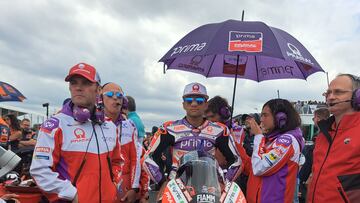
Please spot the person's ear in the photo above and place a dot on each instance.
(98, 89)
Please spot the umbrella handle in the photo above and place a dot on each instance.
(233, 99)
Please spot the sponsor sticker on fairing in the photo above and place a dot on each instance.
(176, 192)
(183, 189)
(234, 195)
(205, 198)
(245, 41)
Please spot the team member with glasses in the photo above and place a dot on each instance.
(191, 133)
(113, 97)
(336, 157)
(111, 94)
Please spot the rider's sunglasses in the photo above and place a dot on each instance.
(111, 94)
(198, 100)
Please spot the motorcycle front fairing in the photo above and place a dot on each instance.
(198, 181)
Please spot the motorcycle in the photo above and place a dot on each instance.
(199, 179)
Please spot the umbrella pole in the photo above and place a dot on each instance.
(236, 74)
(233, 99)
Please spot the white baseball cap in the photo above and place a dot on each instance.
(195, 88)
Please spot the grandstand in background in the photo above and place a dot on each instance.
(306, 111)
(21, 113)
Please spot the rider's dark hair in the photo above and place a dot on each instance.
(131, 103)
(15, 124)
(282, 105)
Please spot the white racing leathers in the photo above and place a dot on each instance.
(182, 138)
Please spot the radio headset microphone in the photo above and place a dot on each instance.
(340, 102)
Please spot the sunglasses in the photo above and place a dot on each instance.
(111, 94)
(198, 100)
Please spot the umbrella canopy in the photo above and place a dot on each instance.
(249, 50)
(10, 93)
(241, 49)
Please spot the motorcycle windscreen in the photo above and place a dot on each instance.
(201, 180)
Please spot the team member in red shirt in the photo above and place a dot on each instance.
(336, 157)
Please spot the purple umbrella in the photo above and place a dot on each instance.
(241, 49)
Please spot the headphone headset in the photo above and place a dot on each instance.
(224, 113)
(280, 120)
(280, 116)
(82, 114)
(355, 100)
(125, 103)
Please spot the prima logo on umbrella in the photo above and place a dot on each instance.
(276, 70)
(295, 53)
(245, 41)
(188, 48)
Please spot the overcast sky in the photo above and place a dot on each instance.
(41, 40)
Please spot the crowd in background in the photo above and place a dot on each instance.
(259, 142)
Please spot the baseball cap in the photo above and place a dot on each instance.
(85, 70)
(195, 89)
(253, 115)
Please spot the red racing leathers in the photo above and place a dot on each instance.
(336, 162)
(63, 145)
(144, 179)
(130, 174)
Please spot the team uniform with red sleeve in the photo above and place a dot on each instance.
(238, 134)
(144, 178)
(130, 174)
(63, 145)
(274, 167)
